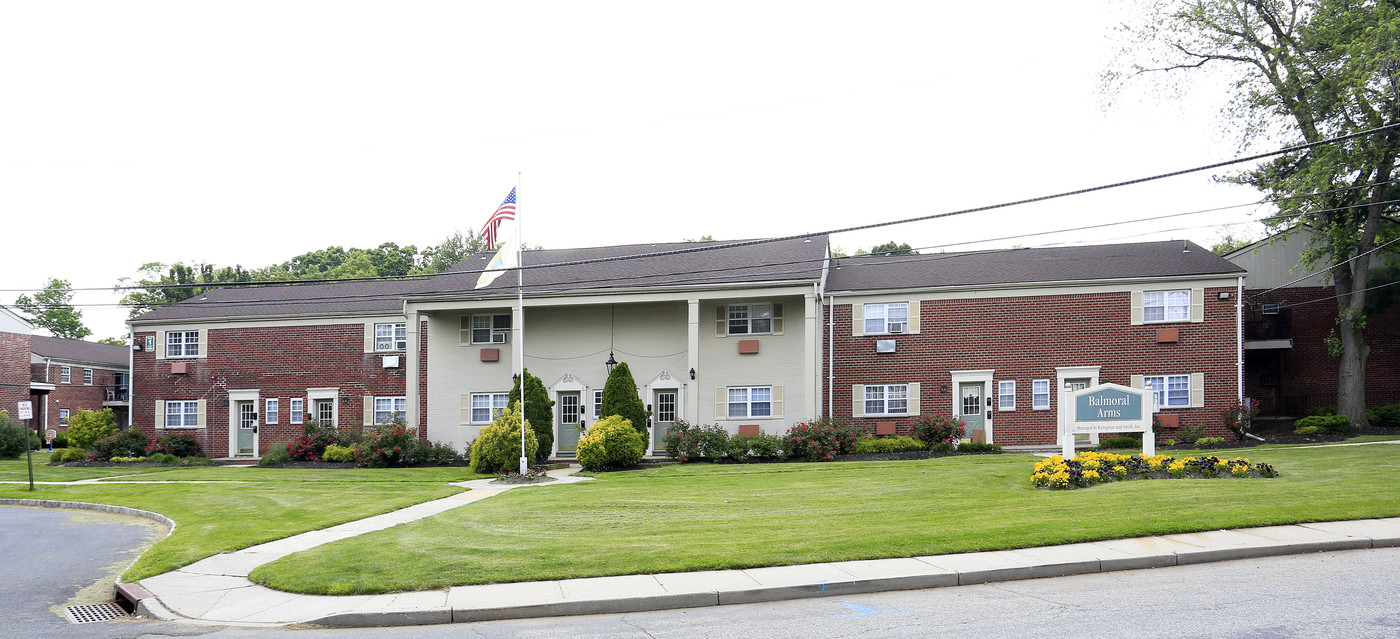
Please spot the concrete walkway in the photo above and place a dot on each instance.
(216, 590)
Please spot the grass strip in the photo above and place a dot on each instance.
(708, 517)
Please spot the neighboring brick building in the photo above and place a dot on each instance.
(15, 336)
(995, 336)
(1289, 315)
(85, 376)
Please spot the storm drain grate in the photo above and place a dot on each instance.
(94, 614)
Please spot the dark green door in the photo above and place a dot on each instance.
(568, 426)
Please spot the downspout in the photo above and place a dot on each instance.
(1239, 340)
(831, 357)
(130, 378)
(47, 364)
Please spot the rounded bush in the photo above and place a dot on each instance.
(611, 442)
(88, 426)
(1335, 424)
(74, 455)
(176, 444)
(938, 429)
(339, 454)
(498, 448)
(128, 443)
(13, 435)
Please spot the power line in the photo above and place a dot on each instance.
(1324, 299)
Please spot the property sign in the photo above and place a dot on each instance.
(26, 410)
(1110, 408)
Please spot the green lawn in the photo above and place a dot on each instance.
(263, 506)
(704, 517)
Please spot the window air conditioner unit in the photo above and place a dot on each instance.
(391, 361)
(897, 327)
(500, 338)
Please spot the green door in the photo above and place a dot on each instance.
(971, 407)
(247, 427)
(665, 417)
(568, 426)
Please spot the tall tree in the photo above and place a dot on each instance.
(52, 310)
(1303, 71)
(893, 248)
(454, 249)
(620, 398)
(539, 413)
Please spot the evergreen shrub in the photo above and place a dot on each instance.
(611, 442)
(497, 449)
(620, 398)
(539, 413)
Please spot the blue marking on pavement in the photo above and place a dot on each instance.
(865, 611)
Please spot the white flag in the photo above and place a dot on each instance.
(505, 259)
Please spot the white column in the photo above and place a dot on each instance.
(410, 369)
(811, 327)
(692, 398)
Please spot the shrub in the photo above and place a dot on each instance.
(56, 457)
(349, 437)
(338, 454)
(611, 442)
(1120, 442)
(1322, 411)
(979, 448)
(871, 445)
(1334, 424)
(176, 444)
(1191, 433)
(620, 398)
(276, 454)
(820, 440)
(60, 440)
(1209, 441)
(87, 426)
(128, 443)
(13, 436)
(687, 442)
(1237, 416)
(1306, 430)
(765, 446)
(942, 448)
(498, 447)
(938, 429)
(127, 460)
(738, 448)
(1169, 442)
(439, 454)
(1387, 416)
(312, 443)
(163, 458)
(539, 413)
(74, 455)
(386, 445)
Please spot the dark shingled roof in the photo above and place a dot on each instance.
(79, 351)
(717, 263)
(1037, 265)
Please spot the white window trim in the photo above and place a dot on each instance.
(597, 405)
(748, 402)
(1166, 392)
(502, 333)
(885, 317)
(63, 416)
(749, 318)
(491, 404)
(296, 410)
(87, 377)
(183, 403)
(1166, 308)
(314, 395)
(1034, 395)
(184, 343)
(272, 406)
(397, 336)
(1001, 395)
(387, 415)
(885, 399)
(65, 375)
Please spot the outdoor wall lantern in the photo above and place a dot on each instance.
(612, 361)
(515, 378)
(692, 373)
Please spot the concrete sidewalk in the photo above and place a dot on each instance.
(216, 591)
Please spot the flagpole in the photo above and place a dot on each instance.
(520, 304)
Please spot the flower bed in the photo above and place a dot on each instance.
(1090, 467)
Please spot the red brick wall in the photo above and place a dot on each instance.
(1290, 381)
(14, 371)
(280, 362)
(75, 395)
(1026, 338)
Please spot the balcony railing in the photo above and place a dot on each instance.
(119, 394)
(1274, 326)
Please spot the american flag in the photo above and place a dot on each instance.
(506, 211)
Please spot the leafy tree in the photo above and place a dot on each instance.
(88, 426)
(620, 398)
(891, 248)
(1227, 242)
(451, 252)
(115, 341)
(1304, 71)
(703, 238)
(539, 413)
(183, 281)
(52, 309)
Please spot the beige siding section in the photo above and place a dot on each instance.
(779, 363)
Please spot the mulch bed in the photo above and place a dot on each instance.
(1287, 438)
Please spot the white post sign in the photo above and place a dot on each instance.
(1110, 408)
(26, 410)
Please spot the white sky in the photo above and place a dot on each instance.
(249, 132)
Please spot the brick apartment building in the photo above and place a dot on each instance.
(15, 336)
(85, 376)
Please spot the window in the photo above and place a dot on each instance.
(888, 399)
(1171, 390)
(750, 319)
(65, 375)
(886, 318)
(182, 344)
(386, 408)
(63, 417)
(182, 414)
(569, 410)
(754, 401)
(325, 411)
(490, 329)
(390, 337)
(270, 416)
(295, 408)
(1040, 394)
(87, 376)
(1269, 309)
(488, 406)
(1006, 394)
(1166, 306)
(597, 404)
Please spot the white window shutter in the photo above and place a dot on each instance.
(1198, 305)
(777, 319)
(465, 409)
(204, 342)
(914, 398)
(160, 344)
(777, 401)
(160, 413)
(913, 316)
(1137, 308)
(858, 400)
(369, 337)
(721, 320)
(369, 410)
(1198, 390)
(857, 319)
(721, 403)
(201, 414)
